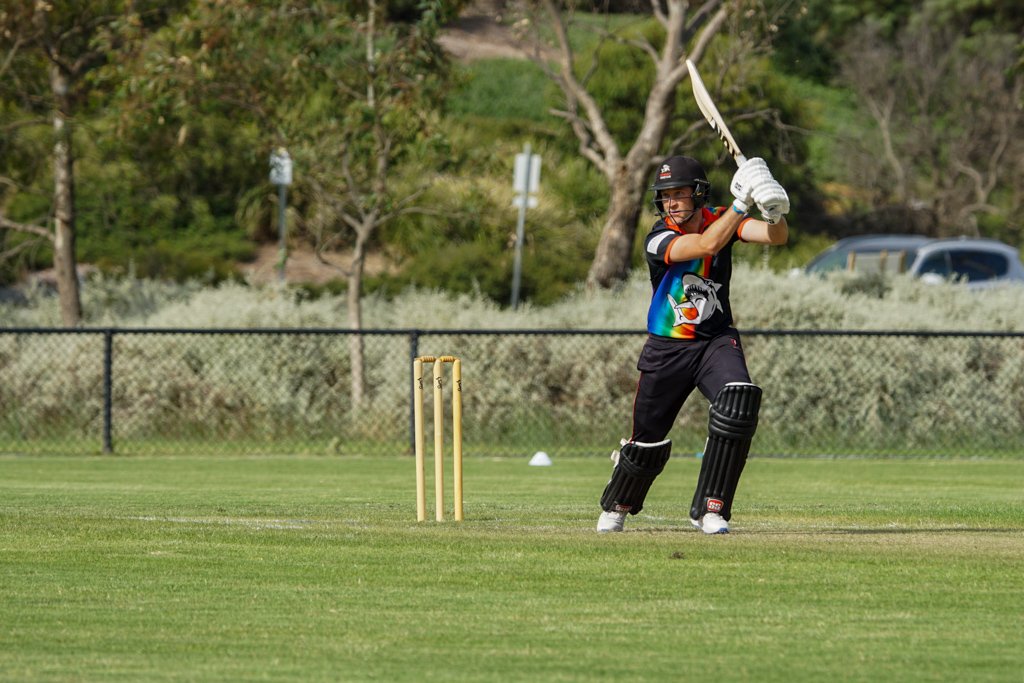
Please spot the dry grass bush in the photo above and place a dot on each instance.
(863, 392)
(43, 392)
(762, 299)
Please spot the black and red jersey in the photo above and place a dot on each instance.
(690, 298)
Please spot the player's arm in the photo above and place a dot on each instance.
(708, 243)
(763, 232)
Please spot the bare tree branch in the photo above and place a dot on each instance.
(23, 123)
(17, 249)
(680, 140)
(881, 110)
(10, 56)
(595, 128)
(29, 228)
(708, 33)
(947, 124)
(659, 13)
(701, 15)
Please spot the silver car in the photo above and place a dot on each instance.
(977, 263)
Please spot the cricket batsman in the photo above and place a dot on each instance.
(692, 342)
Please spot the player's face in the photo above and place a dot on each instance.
(678, 203)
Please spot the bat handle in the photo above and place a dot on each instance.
(739, 158)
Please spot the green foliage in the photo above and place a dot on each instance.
(177, 221)
(827, 112)
(210, 257)
(809, 32)
(500, 89)
(949, 150)
(411, 11)
(551, 268)
(173, 139)
(978, 17)
(24, 149)
(466, 243)
(134, 192)
(620, 78)
(575, 184)
(803, 46)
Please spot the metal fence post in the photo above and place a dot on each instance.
(108, 382)
(414, 352)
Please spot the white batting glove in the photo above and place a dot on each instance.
(749, 174)
(771, 216)
(772, 201)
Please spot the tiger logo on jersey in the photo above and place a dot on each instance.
(699, 301)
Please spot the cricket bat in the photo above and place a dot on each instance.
(711, 113)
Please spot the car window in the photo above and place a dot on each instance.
(907, 257)
(864, 261)
(977, 264)
(884, 261)
(936, 263)
(835, 260)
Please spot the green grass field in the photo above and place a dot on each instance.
(312, 569)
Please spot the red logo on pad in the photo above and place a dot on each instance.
(715, 505)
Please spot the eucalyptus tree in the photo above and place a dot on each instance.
(48, 50)
(389, 94)
(625, 158)
(350, 92)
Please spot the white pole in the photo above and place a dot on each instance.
(282, 250)
(517, 268)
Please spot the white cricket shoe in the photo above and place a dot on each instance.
(611, 521)
(695, 522)
(714, 523)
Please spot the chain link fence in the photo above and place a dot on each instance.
(568, 392)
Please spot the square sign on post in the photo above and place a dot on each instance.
(527, 174)
(280, 167)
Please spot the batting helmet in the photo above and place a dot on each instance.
(680, 171)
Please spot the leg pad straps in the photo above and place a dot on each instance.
(637, 466)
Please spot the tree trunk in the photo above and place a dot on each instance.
(626, 176)
(355, 322)
(614, 255)
(64, 204)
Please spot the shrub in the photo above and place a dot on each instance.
(844, 394)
